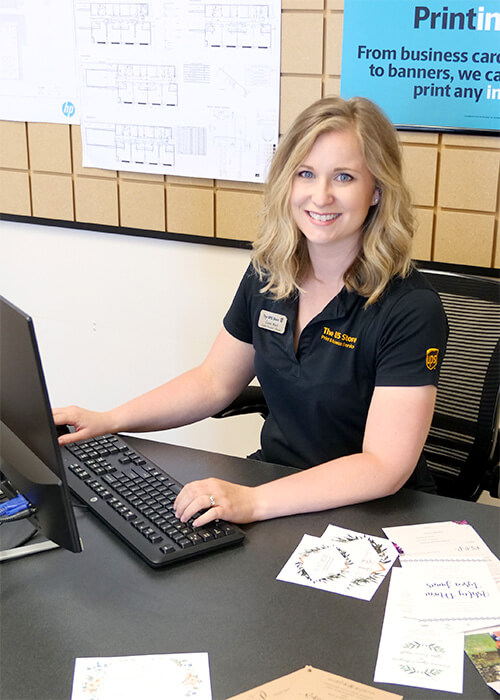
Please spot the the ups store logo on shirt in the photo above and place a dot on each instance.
(344, 340)
(431, 358)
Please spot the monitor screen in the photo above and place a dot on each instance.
(30, 456)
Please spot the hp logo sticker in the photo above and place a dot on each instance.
(68, 109)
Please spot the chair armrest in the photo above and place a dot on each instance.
(494, 472)
(251, 400)
(495, 483)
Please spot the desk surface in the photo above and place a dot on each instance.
(107, 602)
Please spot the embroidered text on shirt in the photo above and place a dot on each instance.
(338, 338)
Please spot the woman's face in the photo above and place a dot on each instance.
(332, 191)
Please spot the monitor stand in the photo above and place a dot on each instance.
(19, 531)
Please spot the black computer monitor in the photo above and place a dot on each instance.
(30, 456)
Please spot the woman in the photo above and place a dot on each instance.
(345, 337)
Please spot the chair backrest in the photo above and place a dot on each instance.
(462, 447)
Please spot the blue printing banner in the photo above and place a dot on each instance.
(426, 64)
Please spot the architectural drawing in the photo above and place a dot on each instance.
(131, 144)
(120, 23)
(134, 84)
(183, 87)
(246, 26)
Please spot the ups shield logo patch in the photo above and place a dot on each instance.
(431, 358)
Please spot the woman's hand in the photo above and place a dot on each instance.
(87, 424)
(222, 498)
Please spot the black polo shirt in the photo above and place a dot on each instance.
(319, 397)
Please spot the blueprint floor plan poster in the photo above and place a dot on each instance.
(180, 87)
(38, 81)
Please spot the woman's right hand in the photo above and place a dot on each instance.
(87, 424)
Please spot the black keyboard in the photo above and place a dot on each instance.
(135, 498)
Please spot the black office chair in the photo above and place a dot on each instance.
(462, 448)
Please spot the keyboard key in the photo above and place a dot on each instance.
(156, 538)
(217, 532)
(195, 539)
(167, 549)
(128, 515)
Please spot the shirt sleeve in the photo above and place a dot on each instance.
(413, 341)
(237, 320)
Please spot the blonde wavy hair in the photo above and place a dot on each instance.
(280, 254)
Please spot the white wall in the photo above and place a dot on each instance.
(117, 315)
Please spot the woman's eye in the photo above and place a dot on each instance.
(344, 177)
(305, 173)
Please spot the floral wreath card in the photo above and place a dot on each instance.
(341, 561)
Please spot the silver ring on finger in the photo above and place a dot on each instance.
(212, 501)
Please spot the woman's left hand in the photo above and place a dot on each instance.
(222, 499)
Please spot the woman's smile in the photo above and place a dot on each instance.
(322, 218)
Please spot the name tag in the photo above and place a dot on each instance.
(272, 322)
